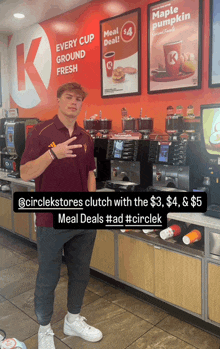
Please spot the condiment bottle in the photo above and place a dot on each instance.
(190, 112)
(179, 110)
(170, 111)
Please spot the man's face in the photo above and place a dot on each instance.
(70, 104)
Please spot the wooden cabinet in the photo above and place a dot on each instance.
(213, 292)
(178, 279)
(136, 262)
(103, 257)
(21, 224)
(21, 219)
(5, 213)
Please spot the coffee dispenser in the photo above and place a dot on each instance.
(145, 126)
(176, 165)
(92, 126)
(130, 170)
(174, 126)
(16, 131)
(103, 168)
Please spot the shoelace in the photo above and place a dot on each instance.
(82, 319)
(48, 332)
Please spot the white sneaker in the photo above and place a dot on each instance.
(46, 340)
(81, 329)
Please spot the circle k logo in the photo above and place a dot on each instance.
(172, 57)
(30, 66)
(109, 65)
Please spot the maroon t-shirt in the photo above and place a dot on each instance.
(62, 175)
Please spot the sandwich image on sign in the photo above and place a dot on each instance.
(119, 73)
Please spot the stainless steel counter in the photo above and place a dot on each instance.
(19, 181)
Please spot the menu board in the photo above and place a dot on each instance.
(174, 45)
(0, 84)
(120, 55)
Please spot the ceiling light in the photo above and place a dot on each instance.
(19, 15)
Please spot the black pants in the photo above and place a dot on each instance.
(78, 247)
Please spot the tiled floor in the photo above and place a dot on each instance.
(126, 322)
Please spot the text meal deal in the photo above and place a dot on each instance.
(174, 31)
(120, 57)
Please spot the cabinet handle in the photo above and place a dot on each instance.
(157, 247)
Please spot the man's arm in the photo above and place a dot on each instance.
(91, 181)
(33, 169)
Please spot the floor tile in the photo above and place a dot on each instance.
(18, 244)
(2, 299)
(99, 287)
(156, 338)
(140, 308)
(114, 323)
(9, 258)
(189, 333)
(25, 301)
(18, 279)
(15, 323)
(96, 312)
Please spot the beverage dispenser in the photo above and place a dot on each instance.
(16, 131)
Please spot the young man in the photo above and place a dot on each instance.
(59, 155)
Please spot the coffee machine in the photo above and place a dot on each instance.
(16, 131)
(130, 170)
(175, 165)
(103, 165)
(98, 128)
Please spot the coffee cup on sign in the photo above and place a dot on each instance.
(172, 53)
(109, 62)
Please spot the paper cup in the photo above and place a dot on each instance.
(192, 237)
(109, 62)
(172, 53)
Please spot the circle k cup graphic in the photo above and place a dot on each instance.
(172, 53)
(215, 140)
(109, 62)
(192, 237)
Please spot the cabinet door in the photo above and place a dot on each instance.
(21, 224)
(33, 227)
(103, 256)
(5, 213)
(136, 262)
(178, 279)
(213, 292)
(21, 219)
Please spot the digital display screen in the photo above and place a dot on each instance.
(118, 148)
(163, 155)
(211, 129)
(10, 136)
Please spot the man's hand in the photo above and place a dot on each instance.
(64, 150)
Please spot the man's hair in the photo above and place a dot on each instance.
(73, 87)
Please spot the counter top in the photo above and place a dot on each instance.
(19, 181)
(196, 218)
